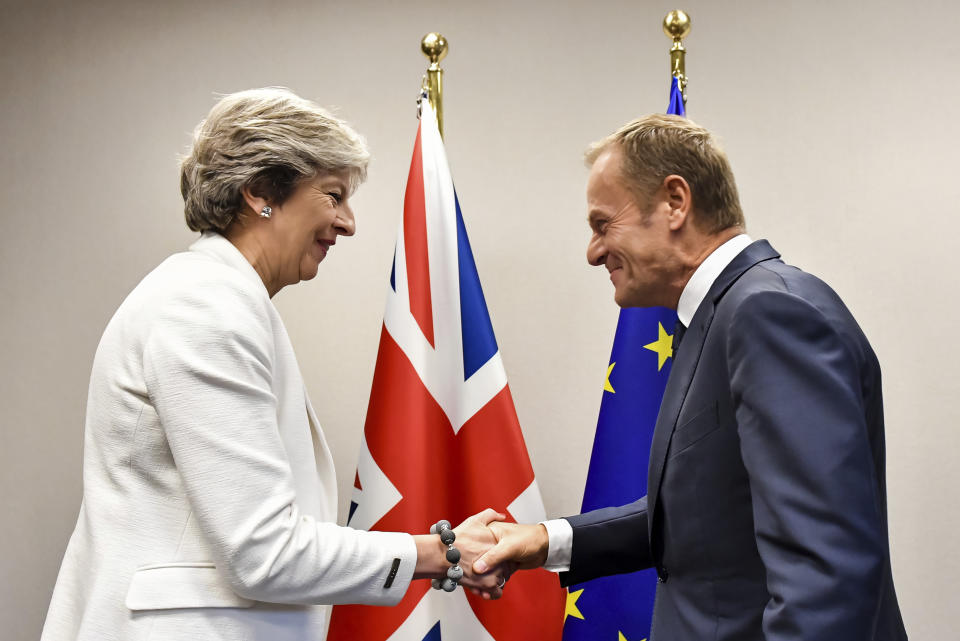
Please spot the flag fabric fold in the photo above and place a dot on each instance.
(678, 104)
(442, 439)
(620, 608)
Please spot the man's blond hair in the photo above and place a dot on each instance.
(657, 146)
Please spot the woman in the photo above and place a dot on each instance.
(209, 501)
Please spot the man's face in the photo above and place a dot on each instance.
(632, 240)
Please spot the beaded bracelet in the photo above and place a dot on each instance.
(455, 572)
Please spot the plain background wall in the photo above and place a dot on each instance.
(839, 119)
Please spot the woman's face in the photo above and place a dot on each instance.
(308, 223)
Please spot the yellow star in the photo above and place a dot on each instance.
(623, 638)
(607, 387)
(572, 609)
(663, 346)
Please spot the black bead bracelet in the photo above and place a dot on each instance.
(455, 572)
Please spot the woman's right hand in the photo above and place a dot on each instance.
(474, 538)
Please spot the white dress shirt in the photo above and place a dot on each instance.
(559, 531)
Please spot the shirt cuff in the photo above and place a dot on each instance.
(560, 548)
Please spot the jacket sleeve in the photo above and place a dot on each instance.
(611, 540)
(208, 365)
(796, 386)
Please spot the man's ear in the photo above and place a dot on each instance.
(678, 196)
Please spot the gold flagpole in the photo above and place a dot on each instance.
(434, 47)
(677, 26)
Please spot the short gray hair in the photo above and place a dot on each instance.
(656, 146)
(268, 140)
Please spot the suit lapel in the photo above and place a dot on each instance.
(685, 365)
(681, 375)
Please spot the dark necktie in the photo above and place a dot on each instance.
(678, 331)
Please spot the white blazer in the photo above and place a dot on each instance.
(209, 494)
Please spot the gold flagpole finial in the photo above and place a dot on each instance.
(434, 47)
(677, 27)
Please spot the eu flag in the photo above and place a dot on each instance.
(619, 608)
(677, 101)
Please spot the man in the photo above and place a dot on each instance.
(766, 512)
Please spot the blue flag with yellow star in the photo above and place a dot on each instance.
(619, 608)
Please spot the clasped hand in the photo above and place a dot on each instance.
(492, 550)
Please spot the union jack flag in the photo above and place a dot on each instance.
(442, 439)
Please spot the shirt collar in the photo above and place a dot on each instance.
(701, 281)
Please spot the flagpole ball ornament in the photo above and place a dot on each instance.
(434, 47)
(677, 27)
(266, 212)
(454, 573)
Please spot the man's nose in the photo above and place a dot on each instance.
(596, 253)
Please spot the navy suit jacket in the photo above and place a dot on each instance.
(766, 513)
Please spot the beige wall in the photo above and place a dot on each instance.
(839, 117)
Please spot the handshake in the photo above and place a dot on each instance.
(488, 551)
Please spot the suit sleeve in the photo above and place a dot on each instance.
(817, 515)
(611, 540)
(208, 364)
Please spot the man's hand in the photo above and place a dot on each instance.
(519, 547)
